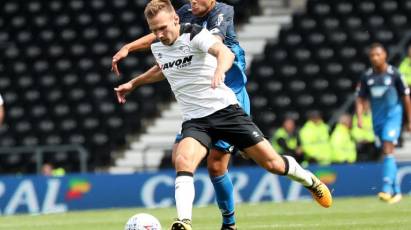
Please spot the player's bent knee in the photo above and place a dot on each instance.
(216, 168)
(274, 166)
(183, 163)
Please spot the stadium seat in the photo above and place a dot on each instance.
(330, 23)
(315, 40)
(57, 76)
(352, 22)
(366, 8)
(273, 87)
(310, 70)
(342, 8)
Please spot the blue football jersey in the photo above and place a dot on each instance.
(384, 91)
(220, 21)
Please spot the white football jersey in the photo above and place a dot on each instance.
(189, 69)
(1, 100)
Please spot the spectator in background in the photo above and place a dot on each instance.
(387, 92)
(364, 137)
(405, 67)
(315, 138)
(285, 140)
(342, 143)
(49, 170)
(1, 110)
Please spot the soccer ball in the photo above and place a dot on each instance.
(142, 221)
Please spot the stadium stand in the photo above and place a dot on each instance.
(57, 87)
(56, 82)
(316, 61)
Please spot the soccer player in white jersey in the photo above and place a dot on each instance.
(218, 18)
(194, 63)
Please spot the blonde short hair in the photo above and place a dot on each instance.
(155, 6)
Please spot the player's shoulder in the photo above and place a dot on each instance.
(223, 8)
(368, 73)
(185, 9)
(192, 29)
(392, 70)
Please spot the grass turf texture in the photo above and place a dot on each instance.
(346, 213)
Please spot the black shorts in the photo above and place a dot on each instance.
(230, 124)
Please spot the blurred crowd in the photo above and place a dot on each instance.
(317, 142)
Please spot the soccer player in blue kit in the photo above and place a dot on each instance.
(218, 18)
(387, 92)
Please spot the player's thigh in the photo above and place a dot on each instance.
(264, 155)
(392, 129)
(177, 140)
(173, 154)
(262, 152)
(189, 154)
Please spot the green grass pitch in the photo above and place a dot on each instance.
(346, 213)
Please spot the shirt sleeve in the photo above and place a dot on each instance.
(1, 101)
(218, 23)
(362, 88)
(400, 85)
(204, 40)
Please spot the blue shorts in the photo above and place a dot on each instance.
(244, 102)
(390, 129)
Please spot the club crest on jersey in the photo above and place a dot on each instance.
(179, 63)
(185, 49)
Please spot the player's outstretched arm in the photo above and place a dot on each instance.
(140, 44)
(225, 59)
(407, 105)
(359, 109)
(152, 75)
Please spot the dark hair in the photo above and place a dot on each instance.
(314, 114)
(377, 45)
(155, 6)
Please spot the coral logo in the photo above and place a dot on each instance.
(77, 188)
(327, 176)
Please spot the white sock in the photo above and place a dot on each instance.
(297, 173)
(184, 195)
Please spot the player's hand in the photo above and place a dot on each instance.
(122, 90)
(217, 80)
(122, 53)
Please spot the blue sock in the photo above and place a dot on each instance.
(223, 187)
(389, 172)
(396, 187)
